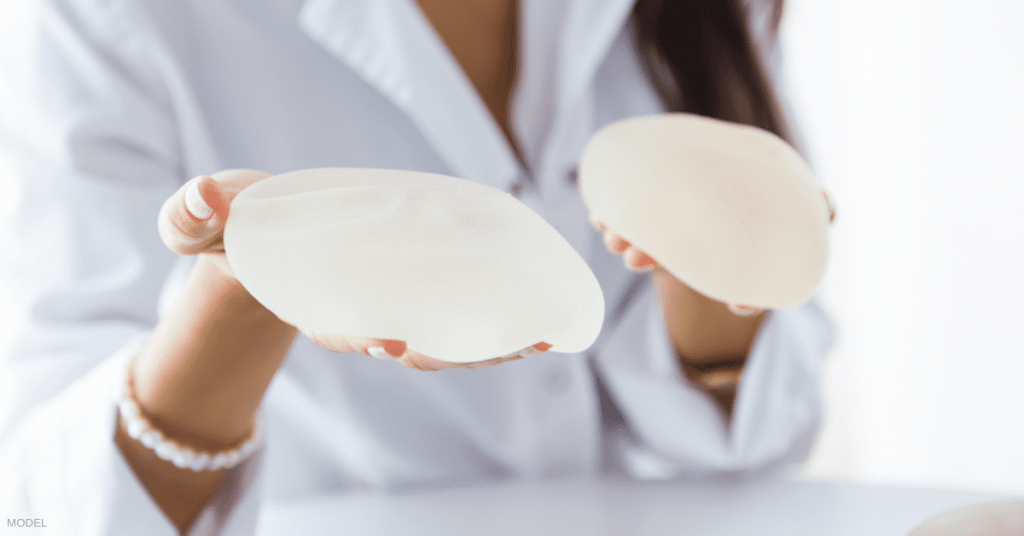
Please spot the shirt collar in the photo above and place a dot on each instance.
(391, 45)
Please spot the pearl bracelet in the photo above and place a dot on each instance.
(140, 429)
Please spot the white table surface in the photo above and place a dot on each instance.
(602, 507)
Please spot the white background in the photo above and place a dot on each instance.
(912, 115)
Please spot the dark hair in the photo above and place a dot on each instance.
(705, 57)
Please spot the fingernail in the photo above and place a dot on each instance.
(195, 203)
(532, 351)
(398, 348)
(380, 353)
(742, 311)
(645, 269)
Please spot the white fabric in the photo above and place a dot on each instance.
(116, 102)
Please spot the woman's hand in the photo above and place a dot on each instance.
(635, 259)
(711, 339)
(397, 351)
(192, 222)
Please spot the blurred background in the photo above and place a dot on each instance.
(911, 112)
(913, 115)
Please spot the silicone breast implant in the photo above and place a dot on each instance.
(460, 271)
(731, 210)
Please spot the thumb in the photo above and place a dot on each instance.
(192, 220)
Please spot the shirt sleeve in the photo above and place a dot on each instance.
(672, 429)
(88, 153)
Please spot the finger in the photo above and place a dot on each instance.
(192, 219)
(495, 361)
(426, 363)
(226, 186)
(378, 348)
(597, 223)
(743, 310)
(536, 349)
(333, 343)
(391, 350)
(233, 181)
(831, 207)
(637, 260)
(615, 243)
(418, 361)
(529, 351)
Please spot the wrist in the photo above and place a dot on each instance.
(703, 331)
(202, 374)
(185, 455)
(214, 282)
(720, 379)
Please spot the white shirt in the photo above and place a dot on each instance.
(118, 102)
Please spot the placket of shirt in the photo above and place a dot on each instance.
(561, 45)
(554, 105)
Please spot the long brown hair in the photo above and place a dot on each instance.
(705, 58)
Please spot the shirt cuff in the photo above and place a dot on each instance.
(777, 408)
(62, 466)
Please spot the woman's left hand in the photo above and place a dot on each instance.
(637, 260)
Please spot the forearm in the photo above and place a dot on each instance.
(200, 379)
(710, 340)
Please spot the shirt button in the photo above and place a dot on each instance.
(556, 381)
(573, 176)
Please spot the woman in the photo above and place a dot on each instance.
(125, 99)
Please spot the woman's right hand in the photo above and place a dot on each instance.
(192, 221)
